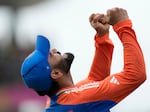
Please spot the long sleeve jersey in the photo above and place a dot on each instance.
(100, 91)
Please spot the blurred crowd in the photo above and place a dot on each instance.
(14, 95)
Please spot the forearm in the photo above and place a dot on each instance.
(134, 65)
(102, 59)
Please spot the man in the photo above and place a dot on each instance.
(49, 73)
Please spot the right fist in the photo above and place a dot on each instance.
(116, 15)
(100, 23)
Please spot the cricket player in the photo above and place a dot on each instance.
(48, 73)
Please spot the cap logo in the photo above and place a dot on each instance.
(47, 67)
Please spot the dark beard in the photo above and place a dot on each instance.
(65, 64)
(69, 60)
(51, 91)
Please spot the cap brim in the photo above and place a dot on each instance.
(43, 45)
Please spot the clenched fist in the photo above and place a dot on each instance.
(100, 23)
(116, 15)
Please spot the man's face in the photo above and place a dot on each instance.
(59, 61)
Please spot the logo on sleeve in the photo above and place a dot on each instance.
(114, 80)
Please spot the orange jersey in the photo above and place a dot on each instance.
(100, 91)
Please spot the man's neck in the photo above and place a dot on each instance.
(65, 81)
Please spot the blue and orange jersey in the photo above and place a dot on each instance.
(100, 91)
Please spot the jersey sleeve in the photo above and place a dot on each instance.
(121, 84)
(117, 86)
(114, 87)
(100, 67)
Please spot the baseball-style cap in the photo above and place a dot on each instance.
(35, 69)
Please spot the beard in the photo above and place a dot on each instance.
(65, 64)
(68, 61)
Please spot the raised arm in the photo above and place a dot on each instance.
(134, 65)
(100, 68)
(117, 86)
(134, 73)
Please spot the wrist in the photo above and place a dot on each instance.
(101, 34)
(121, 24)
(101, 39)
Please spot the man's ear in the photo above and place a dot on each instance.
(55, 74)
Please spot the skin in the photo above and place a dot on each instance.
(116, 15)
(101, 24)
(62, 78)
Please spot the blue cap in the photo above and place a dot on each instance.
(35, 69)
